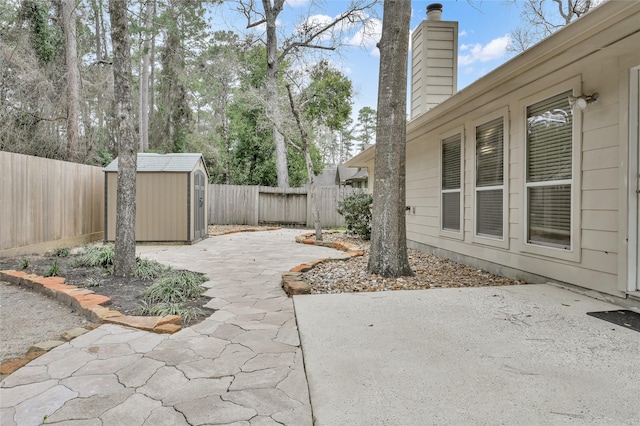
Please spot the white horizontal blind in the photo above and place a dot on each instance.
(451, 173)
(549, 171)
(490, 178)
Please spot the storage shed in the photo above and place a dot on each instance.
(171, 198)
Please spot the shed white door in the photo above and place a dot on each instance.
(634, 180)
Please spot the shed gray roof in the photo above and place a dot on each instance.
(148, 162)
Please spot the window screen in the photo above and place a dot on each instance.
(451, 174)
(549, 171)
(490, 178)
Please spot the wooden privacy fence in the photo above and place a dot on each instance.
(48, 203)
(264, 205)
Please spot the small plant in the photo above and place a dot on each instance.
(356, 210)
(161, 309)
(163, 291)
(175, 286)
(24, 263)
(149, 269)
(96, 256)
(93, 282)
(61, 252)
(53, 270)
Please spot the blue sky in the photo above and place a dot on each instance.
(484, 27)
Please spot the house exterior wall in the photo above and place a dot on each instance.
(161, 206)
(594, 54)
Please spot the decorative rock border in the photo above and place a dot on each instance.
(292, 281)
(89, 303)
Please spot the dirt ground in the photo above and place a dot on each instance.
(28, 317)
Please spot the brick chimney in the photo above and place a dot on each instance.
(434, 61)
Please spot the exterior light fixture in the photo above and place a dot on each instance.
(583, 100)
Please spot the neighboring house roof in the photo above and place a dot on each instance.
(328, 177)
(362, 158)
(149, 162)
(345, 173)
(360, 176)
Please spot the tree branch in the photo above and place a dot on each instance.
(312, 33)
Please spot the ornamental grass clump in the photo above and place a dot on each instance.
(94, 255)
(175, 286)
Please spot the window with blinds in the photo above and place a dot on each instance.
(451, 174)
(549, 171)
(490, 178)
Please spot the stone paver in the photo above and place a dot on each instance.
(243, 365)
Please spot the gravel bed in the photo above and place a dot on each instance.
(349, 276)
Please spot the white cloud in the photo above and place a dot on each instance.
(297, 3)
(369, 36)
(462, 33)
(495, 49)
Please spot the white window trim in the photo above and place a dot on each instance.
(475, 237)
(633, 214)
(459, 235)
(574, 253)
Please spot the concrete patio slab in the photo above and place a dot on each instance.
(493, 355)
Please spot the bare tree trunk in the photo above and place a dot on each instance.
(271, 15)
(315, 208)
(388, 256)
(144, 77)
(125, 248)
(73, 78)
(152, 73)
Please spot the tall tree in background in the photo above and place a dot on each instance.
(125, 246)
(366, 126)
(326, 101)
(541, 18)
(313, 34)
(388, 256)
(346, 136)
(73, 78)
(145, 72)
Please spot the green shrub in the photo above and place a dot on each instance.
(61, 252)
(356, 210)
(24, 263)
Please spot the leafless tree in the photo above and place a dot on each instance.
(145, 72)
(388, 256)
(541, 18)
(73, 78)
(310, 34)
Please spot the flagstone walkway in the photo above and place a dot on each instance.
(241, 366)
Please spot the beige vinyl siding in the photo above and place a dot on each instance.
(161, 206)
(595, 60)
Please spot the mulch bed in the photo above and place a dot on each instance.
(125, 293)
